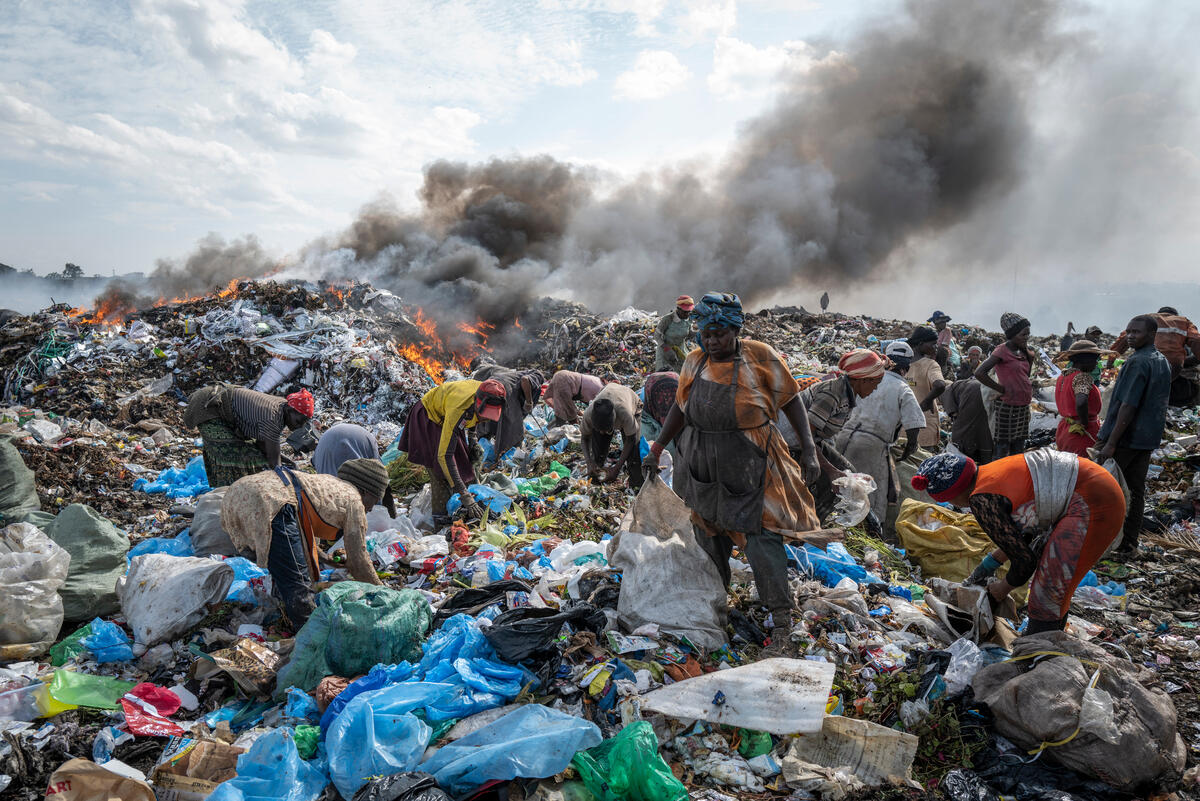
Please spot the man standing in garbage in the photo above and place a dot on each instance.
(565, 389)
(241, 429)
(1137, 415)
(616, 409)
(735, 470)
(1051, 514)
(435, 435)
(875, 424)
(280, 515)
(672, 335)
(945, 337)
(925, 378)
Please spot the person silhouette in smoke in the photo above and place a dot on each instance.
(824, 301)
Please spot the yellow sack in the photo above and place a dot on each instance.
(945, 543)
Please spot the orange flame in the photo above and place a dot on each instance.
(435, 355)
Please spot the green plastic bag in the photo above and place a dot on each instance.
(545, 483)
(628, 768)
(70, 647)
(754, 743)
(83, 689)
(355, 627)
(97, 549)
(306, 738)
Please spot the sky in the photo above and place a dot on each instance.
(130, 130)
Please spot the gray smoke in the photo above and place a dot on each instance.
(212, 265)
(904, 131)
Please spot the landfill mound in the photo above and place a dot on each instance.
(492, 664)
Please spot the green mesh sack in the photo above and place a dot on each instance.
(355, 627)
(628, 768)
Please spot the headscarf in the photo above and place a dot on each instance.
(1011, 324)
(974, 349)
(685, 303)
(719, 308)
(660, 390)
(920, 335)
(302, 402)
(861, 363)
(945, 476)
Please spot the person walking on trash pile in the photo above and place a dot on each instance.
(659, 396)
(672, 335)
(567, 387)
(281, 514)
(735, 471)
(1078, 399)
(1137, 415)
(341, 443)
(522, 391)
(435, 436)
(875, 424)
(945, 337)
(1013, 362)
(241, 429)
(927, 382)
(970, 430)
(971, 363)
(1051, 515)
(617, 409)
(828, 405)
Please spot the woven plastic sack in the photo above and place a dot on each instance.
(18, 492)
(667, 578)
(32, 570)
(97, 549)
(1038, 696)
(628, 768)
(355, 627)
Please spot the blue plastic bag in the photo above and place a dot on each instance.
(377, 734)
(176, 483)
(108, 643)
(179, 545)
(533, 742)
(301, 706)
(244, 572)
(379, 677)
(272, 770)
(489, 450)
(831, 565)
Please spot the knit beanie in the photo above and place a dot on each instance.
(945, 476)
(371, 477)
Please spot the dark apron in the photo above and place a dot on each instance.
(312, 526)
(724, 471)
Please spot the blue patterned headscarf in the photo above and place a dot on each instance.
(719, 308)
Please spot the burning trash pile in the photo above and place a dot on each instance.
(562, 645)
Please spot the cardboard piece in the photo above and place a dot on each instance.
(872, 754)
(191, 769)
(84, 780)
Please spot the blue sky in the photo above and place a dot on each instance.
(129, 130)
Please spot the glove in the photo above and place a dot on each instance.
(650, 464)
(980, 575)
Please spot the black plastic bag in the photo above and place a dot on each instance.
(519, 634)
(402, 787)
(475, 600)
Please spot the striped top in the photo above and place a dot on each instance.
(255, 415)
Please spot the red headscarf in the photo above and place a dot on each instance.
(302, 402)
(861, 363)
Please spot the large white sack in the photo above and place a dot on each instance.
(32, 569)
(164, 596)
(666, 577)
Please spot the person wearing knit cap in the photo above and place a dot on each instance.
(875, 424)
(829, 405)
(281, 517)
(927, 382)
(673, 335)
(971, 361)
(1013, 363)
(436, 436)
(1053, 537)
(735, 471)
(241, 429)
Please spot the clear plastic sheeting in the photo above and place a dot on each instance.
(854, 498)
(32, 569)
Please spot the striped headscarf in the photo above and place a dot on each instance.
(719, 308)
(861, 363)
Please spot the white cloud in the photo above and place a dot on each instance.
(654, 74)
(707, 17)
(556, 64)
(741, 70)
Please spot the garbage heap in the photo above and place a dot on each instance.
(567, 645)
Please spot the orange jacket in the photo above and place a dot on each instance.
(1176, 334)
